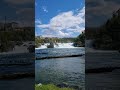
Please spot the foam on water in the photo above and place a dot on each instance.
(59, 45)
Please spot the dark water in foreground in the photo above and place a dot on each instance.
(8, 63)
(8, 66)
(68, 70)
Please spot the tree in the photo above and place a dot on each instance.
(80, 40)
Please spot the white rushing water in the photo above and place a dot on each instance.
(59, 45)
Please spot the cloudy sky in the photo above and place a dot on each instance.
(21, 11)
(59, 18)
(99, 11)
(62, 18)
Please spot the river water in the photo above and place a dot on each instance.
(14, 63)
(70, 70)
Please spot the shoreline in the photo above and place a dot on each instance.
(51, 87)
(20, 64)
(16, 76)
(59, 57)
(101, 70)
(62, 86)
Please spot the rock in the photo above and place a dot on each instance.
(51, 45)
(31, 49)
(77, 88)
(39, 84)
(63, 85)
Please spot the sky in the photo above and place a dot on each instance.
(59, 18)
(97, 12)
(21, 11)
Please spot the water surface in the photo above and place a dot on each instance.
(60, 70)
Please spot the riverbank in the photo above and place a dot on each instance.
(16, 75)
(22, 48)
(50, 87)
(42, 58)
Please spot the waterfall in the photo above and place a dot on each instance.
(58, 45)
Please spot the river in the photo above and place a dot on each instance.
(15, 65)
(68, 70)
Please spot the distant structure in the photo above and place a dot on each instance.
(51, 45)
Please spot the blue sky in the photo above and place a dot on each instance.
(59, 18)
(63, 18)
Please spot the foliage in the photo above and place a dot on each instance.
(41, 40)
(50, 87)
(9, 38)
(5, 43)
(80, 40)
(109, 34)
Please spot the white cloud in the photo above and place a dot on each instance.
(45, 9)
(38, 21)
(65, 24)
(103, 9)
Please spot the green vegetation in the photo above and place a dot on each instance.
(91, 32)
(24, 35)
(108, 35)
(8, 39)
(5, 43)
(41, 40)
(50, 87)
(80, 40)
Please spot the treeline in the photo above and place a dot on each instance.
(8, 39)
(77, 42)
(41, 40)
(80, 40)
(25, 35)
(106, 36)
(91, 32)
